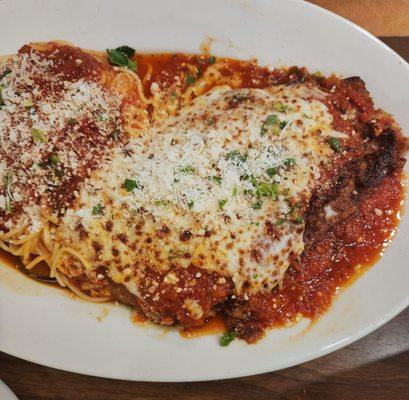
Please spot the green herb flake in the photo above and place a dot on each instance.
(38, 135)
(103, 117)
(190, 79)
(266, 189)
(1, 99)
(298, 219)
(217, 179)
(283, 124)
(121, 59)
(129, 51)
(54, 160)
(235, 191)
(210, 121)
(269, 122)
(335, 144)
(257, 205)
(280, 221)
(227, 338)
(175, 254)
(236, 157)
(58, 172)
(255, 276)
(272, 171)
(130, 184)
(161, 202)
(222, 203)
(96, 210)
(211, 60)
(72, 121)
(188, 170)
(190, 204)
(289, 162)
(280, 107)
(6, 72)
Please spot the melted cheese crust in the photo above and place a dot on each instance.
(221, 186)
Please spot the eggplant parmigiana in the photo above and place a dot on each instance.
(185, 186)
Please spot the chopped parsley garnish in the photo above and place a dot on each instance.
(290, 162)
(257, 205)
(120, 57)
(96, 210)
(265, 189)
(54, 160)
(236, 157)
(272, 124)
(269, 122)
(131, 184)
(255, 276)
(72, 121)
(210, 121)
(190, 204)
(211, 60)
(190, 79)
(283, 124)
(292, 207)
(271, 171)
(161, 202)
(280, 107)
(222, 203)
(103, 117)
(188, 170)
(280, 221)
(227, 338)
(6, 72)
(175, 254)
(38, 135)
(217, 179)
(58, 172)
(335, 144)
(1, 99)
(235, 191)
(7, 181)
(129, 51)
(298, 219)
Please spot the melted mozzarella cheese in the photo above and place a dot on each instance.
(222, 186)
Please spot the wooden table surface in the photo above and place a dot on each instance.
(376, 367)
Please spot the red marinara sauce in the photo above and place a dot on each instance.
(346, 251)
(349, 248)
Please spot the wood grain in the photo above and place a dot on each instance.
(374, 368)
(380, 17)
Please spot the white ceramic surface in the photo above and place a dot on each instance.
(6, 393)
(45, 325)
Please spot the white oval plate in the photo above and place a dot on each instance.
(45, 325)
(6, 393)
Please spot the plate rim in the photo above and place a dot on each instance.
(309, 355)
